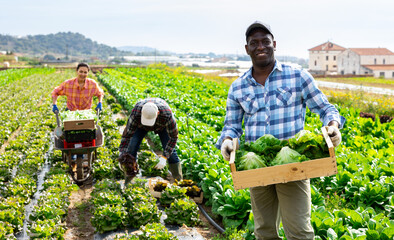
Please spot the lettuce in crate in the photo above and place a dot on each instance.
(78, 115)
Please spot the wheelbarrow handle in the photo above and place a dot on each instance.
(98, 115)
(57, 118)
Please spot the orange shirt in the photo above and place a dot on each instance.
(78, 98)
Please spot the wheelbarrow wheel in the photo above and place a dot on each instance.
(64, 157)
(80, 172)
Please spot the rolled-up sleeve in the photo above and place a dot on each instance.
(59, 90)
(98, 91)
(317, 102)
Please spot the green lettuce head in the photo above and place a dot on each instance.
(251, 160)
(287, 155)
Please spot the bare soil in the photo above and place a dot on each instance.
(79, 214)
(207, 230)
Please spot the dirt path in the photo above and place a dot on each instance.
(79, 215)
(206, 229)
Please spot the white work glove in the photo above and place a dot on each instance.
(226, 148)
(162, 162)
(334, 134)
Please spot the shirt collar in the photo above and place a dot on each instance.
(248, 75)
(84, 86)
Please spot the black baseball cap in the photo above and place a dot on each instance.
(258, 24)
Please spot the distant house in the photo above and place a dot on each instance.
(359, 61)
(323, 58)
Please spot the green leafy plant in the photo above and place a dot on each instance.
(108, 217)
(171, 193)
(250, 160)
(156, 231)
(288, 155)
(147, 161)
(141, 207)
(182, 211)
(311, 145)
(46, 229)
(78, 115)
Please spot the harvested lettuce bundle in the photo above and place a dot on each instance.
(311, 145)
(251, 160)
(287, 155)
(263, 143)
(78, 115)
(266, 146)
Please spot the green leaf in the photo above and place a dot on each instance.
(227, 210)
(387, 233)
(372, 235)
(331, 234)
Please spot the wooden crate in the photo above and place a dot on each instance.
(152, 183)
(79, 124)
(156, 194)
(284, 173)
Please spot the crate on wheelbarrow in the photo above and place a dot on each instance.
(83, 135)
(79, 124)
(81, 144)
(81, 151)
(284, 173)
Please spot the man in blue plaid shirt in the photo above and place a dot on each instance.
(271, 98)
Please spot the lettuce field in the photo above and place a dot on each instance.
(35, 188)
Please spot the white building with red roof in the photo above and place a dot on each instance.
(360, 61)
(323, 58)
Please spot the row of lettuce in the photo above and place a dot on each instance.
(24, 156)
(18, 98)
(34, 202)
(27, 151)
(357, 203)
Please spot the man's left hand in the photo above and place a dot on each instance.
(99, 106)
(334, 134)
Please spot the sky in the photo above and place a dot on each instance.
(204, 26)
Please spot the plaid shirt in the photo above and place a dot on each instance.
(165, 120)
(277, 108)
(78, 98)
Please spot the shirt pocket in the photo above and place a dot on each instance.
(284, 96)
(249, 103)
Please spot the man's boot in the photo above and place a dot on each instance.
(176, 170)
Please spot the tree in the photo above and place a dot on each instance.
(49, 57)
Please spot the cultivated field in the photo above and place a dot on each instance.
(37, 197)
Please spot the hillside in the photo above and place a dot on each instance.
(62, 43)
(136, 49)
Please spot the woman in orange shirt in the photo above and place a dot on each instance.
(79, 91)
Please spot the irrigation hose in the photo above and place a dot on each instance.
(219, 228)
(211, 221)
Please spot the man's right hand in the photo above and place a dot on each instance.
(227, 147)
(55, 109)
(162, 162)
